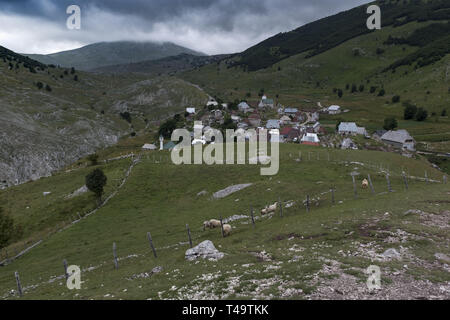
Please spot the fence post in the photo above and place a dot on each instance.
(116, 262)
(444, 179)
(149, 236)
(388, 182)
(19, 286)
(371, 184)
(66, 275)
(221, 227)
(426, 177)
(280, 204)
(189, 235)
(405, 180)
(354, 187)
(307, 203)
(253, 217)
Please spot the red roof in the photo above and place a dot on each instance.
(254, 116)
(310, 143)
(286, 130)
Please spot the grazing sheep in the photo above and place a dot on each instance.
(269, 209)
(211, 224)
(227, 230)
(365, 184)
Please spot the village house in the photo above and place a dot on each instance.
(273, 124)
(399, 139)
(334, 109)
(244, 107)
(235, 118)
(212, 103)
(350, 128)
(315, 116)
(290, 111)
(316, 127)
(243, 125)
(348, 143)
(266, 103)
(310, 139)
(255, 120)
(218, 115)
(290, 134)
(190, 111)
(285, 120)
(148, 146)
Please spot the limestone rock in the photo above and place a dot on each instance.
(205, 250)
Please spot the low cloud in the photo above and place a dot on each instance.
(210, 26)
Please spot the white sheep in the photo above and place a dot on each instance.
(365, 184)
(269, 209)
(211, 224)
(227, 230)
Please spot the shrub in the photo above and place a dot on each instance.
(410, 111)
(395, 99)
(422, 114)
(6, 229)
(95, 182)
(390, 123)
(381, 93)
(48, 88)
(126, 116)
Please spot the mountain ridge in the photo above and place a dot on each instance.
(102, 54)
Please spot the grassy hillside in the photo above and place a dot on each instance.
(325, 34)
(112, 53)
(299, 254)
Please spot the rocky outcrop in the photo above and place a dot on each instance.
(230, 190)
(205, 250)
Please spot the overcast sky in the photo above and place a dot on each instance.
(209, 26)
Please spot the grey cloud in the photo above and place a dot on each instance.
(214, 26)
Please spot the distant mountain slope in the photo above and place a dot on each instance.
(112, 53)
(324, 34)
(169, 65)
(51, 117)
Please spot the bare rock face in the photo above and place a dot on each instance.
(231, 189)
(205, 250)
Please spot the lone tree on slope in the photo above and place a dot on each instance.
(95, 182)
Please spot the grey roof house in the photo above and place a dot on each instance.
(399, 139)
(273, 124)
(348, 128)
